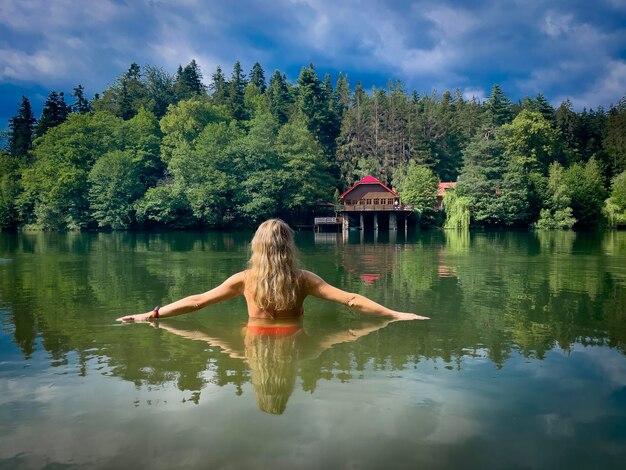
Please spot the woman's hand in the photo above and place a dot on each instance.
(408, 316)
(134, 318)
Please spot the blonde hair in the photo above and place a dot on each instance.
(273, 364)
(273, 278)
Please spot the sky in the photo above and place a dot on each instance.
(572, 49)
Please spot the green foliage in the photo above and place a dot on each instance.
(188, 83)
(513, 201)
(557, 213)
(55, 111)
(315, 102)
(531, 142)
(250, 150)
(114, 187)
(126, 97)
(557, 220)
(615, 140)
(498, 107)
(279, 98)
(618, 190)
(160, 90)
(457, 210)
(586, 188)
(9, 191)
(165, 204)
(21, 130)
(81, 105)
(417, 185)
(307, 169)
(615, 205)
(185, 121)
(257, 77)
(482, 178)
(55, 185)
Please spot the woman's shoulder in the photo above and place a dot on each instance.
(309, 277)
(237, 278)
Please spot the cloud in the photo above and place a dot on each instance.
(555, 24)
(15, 64)
(557, 48)
(471, 93)
(608, 88)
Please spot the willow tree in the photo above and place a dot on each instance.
(457, 209)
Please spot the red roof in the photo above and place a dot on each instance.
(369, 278)
(443, 186)
(369, 180)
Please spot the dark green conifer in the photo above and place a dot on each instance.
(21, 130)
(55, 111)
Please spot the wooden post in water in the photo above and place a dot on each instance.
(393, 223)
(375, 221)
(361, 221)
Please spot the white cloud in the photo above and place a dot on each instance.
(555, 24)
(607, 89)
(478, 93)
(19, 65)
(25, 16)
(451, 22)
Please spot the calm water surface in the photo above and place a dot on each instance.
(522, 366)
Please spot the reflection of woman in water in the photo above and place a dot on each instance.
(273, 286)
(274, 289)
(273, 352)
(272, 359)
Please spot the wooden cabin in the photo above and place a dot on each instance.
(369, 194)
(369, 199)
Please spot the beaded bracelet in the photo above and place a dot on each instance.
(155, 312)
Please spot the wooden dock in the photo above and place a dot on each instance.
(327, 222)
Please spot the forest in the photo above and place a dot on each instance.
(161, 150)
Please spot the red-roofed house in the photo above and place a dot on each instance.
(441, 190)
(370, 197)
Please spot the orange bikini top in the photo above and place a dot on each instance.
(282, 330)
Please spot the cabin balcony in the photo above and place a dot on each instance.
(374, 208)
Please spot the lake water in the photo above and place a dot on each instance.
(522, 366)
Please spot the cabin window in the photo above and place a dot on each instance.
(362, 201)
(348, 202)
(369, 201)
(389, 201)
(376, 201)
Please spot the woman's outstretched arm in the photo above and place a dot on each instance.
(317, 287)
(231, 287)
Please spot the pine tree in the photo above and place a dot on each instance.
(482, 177)
(219, 87)
(352, 141)
(279, 97)
(315, 105)
(54, 112)
(131, 92)
(565, 118)
(21, 130)
(615, 140)
(236, 91)
(126, 97)
(498, 107)
(81, 105)
(342, 91)
(257, 77)
(189, 81)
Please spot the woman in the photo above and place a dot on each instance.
(273, 286)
